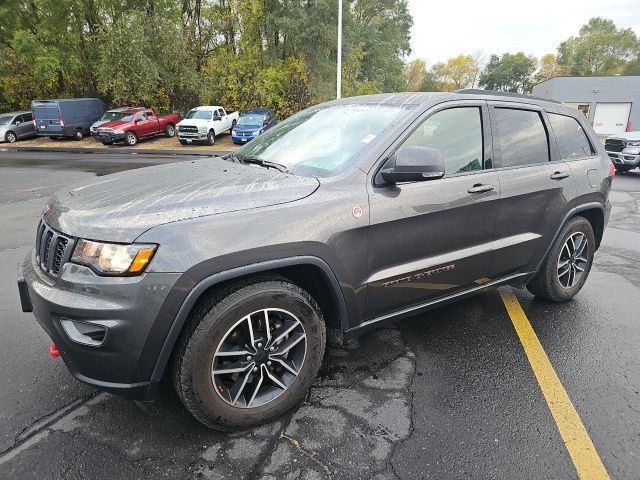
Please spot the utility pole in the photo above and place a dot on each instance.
(339, 68)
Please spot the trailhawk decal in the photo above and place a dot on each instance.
(419, 275)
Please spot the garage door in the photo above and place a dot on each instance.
(611, 118)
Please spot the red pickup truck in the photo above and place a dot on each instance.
(131, 125)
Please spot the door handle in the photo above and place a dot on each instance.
(480, 188)
(559, 175)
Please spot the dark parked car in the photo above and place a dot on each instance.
(16, 126)
(252, 123)
(66, 118)
(231, 272)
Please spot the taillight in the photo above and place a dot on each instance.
(612, 170)
(61, 122)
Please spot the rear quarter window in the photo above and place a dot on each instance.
(523, 137)
(571, 137)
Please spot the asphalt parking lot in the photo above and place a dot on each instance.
(461, 392)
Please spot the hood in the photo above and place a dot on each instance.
(99, 123)
(194, 121)
(627, 135)
(247, 128)
(115, 124)
(120, 207)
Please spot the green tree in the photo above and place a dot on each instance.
(414, 74)
(599, 49)
(509, 73)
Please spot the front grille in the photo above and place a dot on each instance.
(188, 128)
(614, 144)
(53, 249)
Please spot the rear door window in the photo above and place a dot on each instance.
(27, 117)
(572, 140)
(522, 136)
(457, 134)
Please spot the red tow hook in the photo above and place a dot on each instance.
(53, 351)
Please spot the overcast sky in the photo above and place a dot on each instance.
(445, 29)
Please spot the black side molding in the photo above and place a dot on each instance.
(25, 299)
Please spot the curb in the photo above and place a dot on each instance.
(124, 150)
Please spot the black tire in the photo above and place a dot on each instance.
(53, 138)
(107, 142)
(10, 137)
(547, 282)
(170, 130)
(183, 142)
(210, 323)
(131, 139)
(622, 169)
(78, 135)
(211, 137)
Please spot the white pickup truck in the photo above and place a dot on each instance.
(204, 123)
(624, 150)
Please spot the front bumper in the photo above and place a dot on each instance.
(192, 136)
(624, 159)
(133, 309)
(243, 138)
(109, 137)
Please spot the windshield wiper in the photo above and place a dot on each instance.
(262, 163)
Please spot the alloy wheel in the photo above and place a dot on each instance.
(11, 137)
(259, 357)
(573, 260)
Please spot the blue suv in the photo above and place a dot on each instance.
(252, 123)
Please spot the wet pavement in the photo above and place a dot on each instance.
(448, 394)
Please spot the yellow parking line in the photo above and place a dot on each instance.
(573, 433)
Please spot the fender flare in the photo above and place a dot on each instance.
(217, 278)
(571, 213)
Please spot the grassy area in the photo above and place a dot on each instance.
(223, 142)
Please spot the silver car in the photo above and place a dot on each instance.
(108, 116)
(16, 126)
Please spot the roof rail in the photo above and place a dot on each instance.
(478, 91)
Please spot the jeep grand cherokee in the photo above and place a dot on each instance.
(231, 272)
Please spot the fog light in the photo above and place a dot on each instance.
(628, 157)
(83, 332)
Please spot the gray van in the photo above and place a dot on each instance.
(70, 118)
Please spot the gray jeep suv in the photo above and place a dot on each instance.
(230, 273)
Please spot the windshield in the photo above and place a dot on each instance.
(5, 119)
(199, 114)
(110, 116)
(322, 141)
(251, 119)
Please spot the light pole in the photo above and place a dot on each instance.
(339, 68)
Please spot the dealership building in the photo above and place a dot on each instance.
(612, 104)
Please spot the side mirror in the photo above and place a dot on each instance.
(414, 164)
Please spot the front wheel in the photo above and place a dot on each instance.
(10, 137)
(249, 353)
(131, 139)
(211, 137)
(169, 131)
(568, 264)
(622, 169)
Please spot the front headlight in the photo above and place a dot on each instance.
(113, 258)
(635, 143)
(202, 129)
(119, 132)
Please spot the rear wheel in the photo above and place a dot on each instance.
(249, 353)
(10, 137)
(169, 130)
(211, 137)
(568, 264)
(78, 135)
(131, 139)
